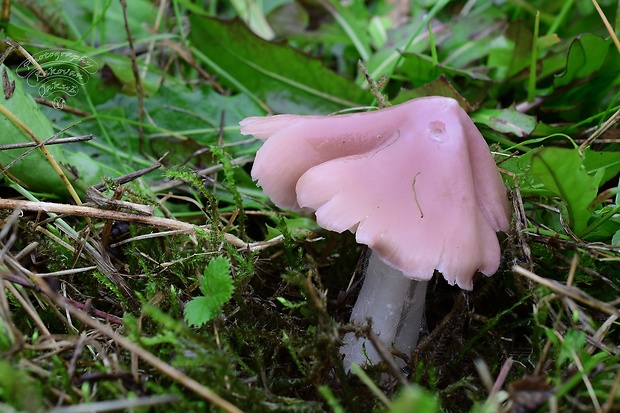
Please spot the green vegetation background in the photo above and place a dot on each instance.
(253, 302)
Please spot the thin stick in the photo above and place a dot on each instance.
(370, 384)
(68, 109)
(387, 358)
(145, 355)
(27, 306)
(122, 404)
(572, 292)
(47, 154)
(54, 142)
(27, 55)
(501, 377)
(157, 222)
(604, 127)
(586, 381)
(136, 75)
(610, 29)
(609, 404)
(5, 14)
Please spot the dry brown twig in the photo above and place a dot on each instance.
(47, 142)
(145, 355)
(568, 291)
(616, 116)
(148, 220)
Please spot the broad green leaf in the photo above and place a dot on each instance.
(254, 17)
(562, 172)
(385, 62)
(420, 69)
(275, 75)
(289, 21)
(609, 162)
(352, 20)
(467, 45)
(590, 75)
(198, 112)
(604, 224)
(33, 170)
(587, 54)
(217, 287)
(511, 52)
(108, 15)
(506, 121)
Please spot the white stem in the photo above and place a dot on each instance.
(395, 304)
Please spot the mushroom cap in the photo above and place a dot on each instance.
(415, 182)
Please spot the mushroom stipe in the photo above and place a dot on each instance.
(415, 182)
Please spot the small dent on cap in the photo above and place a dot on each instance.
(437, 131)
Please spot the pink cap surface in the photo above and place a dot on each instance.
(415, 182)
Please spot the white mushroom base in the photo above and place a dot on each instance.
(395, 304)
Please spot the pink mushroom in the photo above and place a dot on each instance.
(415, 182)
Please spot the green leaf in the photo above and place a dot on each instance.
(609, 162)
(351, 19)
(217, 287)
(562, 172)
(216, 281)
(438, 87)
(420, 69)
(109, 15)
(510, 53)
(297, 227)
(252, 14)
(414, 399)
(199, 311)
(19, 391)
(587, 54)
(276, 76)
(506, 121)
(198, 112)
(33, 170)
(590, 73)
(289, 304)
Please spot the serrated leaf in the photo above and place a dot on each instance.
(562, 173)
(199, 311)
(216, 281)
(281, 78)
(217, 286)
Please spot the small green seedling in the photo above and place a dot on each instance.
(216, 286)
